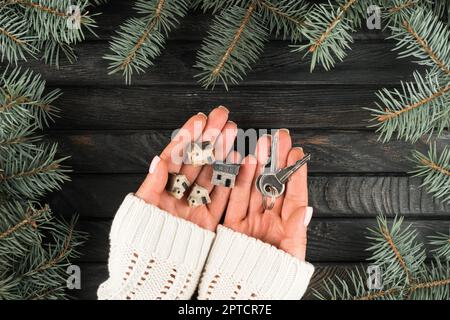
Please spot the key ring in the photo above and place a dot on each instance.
(272, 200)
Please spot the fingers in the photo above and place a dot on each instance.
(284, 146)
(216, 121)
(220, 194)
(240, 195)
(223, 146)
(262, 152)
(154, 184)
(297, 187)
(191, 131)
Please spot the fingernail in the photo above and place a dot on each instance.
(285, 130)
(299, 148)
(308, 216)
(202, 114)
(224, 108)
(154, 164)
(232, 122)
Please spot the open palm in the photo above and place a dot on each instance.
(218, 130)
(285, 225)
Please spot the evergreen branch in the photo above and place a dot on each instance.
(31, 175)
(398, 256)
(327, 31)
(337, 19)
(424, 37)
(405, 274)
(139, 40)
(61, 255)
(234, 42)
(23, 98)
(40, 7)
(442, 243)
(419, 108)
(435, 170)
(426, 47)
(284, 17)
(410, 107)
(29, 220)
(149, 28)
(395, 249)
(236, 38)
(402, 6)
(15, 42)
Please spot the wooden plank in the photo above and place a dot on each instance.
(251, 107)
(93, 274)
(329, 240)
(94, 195)
(368, 62)
(332, 151)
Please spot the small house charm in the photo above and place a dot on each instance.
(199, 154)
(177, 185)
(198, 196)
(224, 174)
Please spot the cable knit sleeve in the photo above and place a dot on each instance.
(241, 267)
(153, 255)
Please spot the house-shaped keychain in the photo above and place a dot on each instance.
(198, 196)
(224, 174)
(199, 154)
(177, 185)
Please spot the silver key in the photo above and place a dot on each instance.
(274, 184)
(273, 160)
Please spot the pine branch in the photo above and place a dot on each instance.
(419, 108)
(33, 174)
(234, 42)
(30, 219)
(424, 37)
(405, 275)
(442, 243)
(396, 249)
(327, 33)
(435, 170)
(285, 18)
(23, 98)
(15, 43)
(140, 40)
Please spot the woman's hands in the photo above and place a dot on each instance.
(221, 133)
(284, 226)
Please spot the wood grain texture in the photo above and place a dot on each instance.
(301, 107)
(332, 151)
(99, 195)
(329, 240)
(93, 274)
(368, 62)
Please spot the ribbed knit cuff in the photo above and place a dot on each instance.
(257, 267)
(150, 229)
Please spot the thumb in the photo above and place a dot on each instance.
(155, 182)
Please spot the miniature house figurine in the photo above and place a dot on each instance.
(224, 174)
(199, 154)
(198, 196)
(177, 185)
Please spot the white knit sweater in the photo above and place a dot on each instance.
(154, 255)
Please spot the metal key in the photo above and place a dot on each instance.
(274, 183)
(273, 160)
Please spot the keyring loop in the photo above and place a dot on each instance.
(272, 200)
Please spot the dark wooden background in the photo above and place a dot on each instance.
(112, 131)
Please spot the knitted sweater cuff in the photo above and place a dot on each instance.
(153, 255)
(241, 267)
